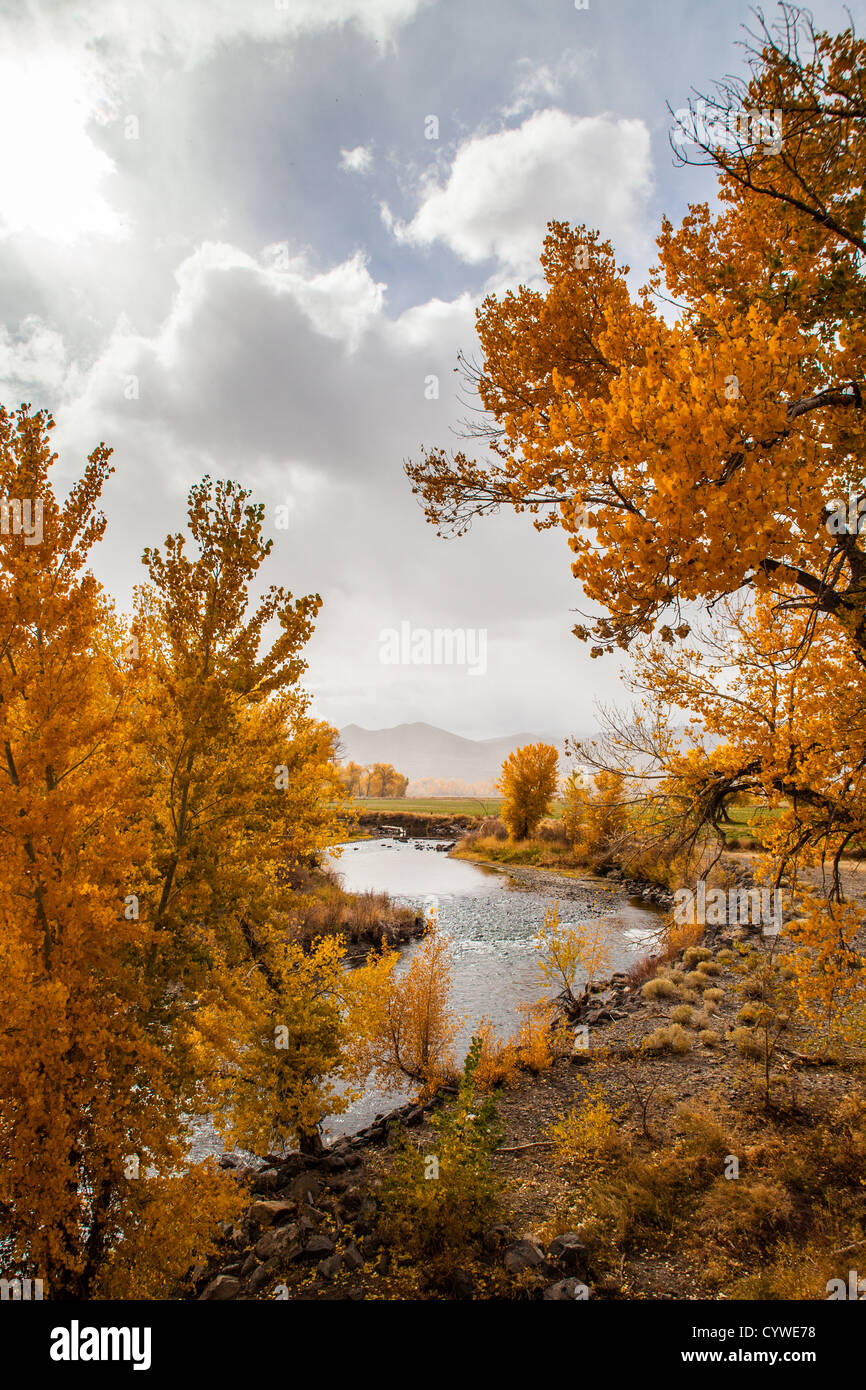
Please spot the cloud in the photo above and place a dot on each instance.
(540, 84)
(35, 357)
(53, 172)
(195, 29)
(358, 160)
(503, 188)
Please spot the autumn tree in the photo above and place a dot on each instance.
(405, 1026)
(565, 952)
(91, 1132)
(351, 775)
(243, 789)
(528, 784)
(704, 438)
(574, 797)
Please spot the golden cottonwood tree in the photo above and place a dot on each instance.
(528, 784)
(89, 1093)
(705, 436)
(688, 458)
(244, 788)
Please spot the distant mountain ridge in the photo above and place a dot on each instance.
(423, 750)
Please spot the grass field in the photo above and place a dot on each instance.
(489, 806)
(432, 805)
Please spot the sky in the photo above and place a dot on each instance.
(248, 238)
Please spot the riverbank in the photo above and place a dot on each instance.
(689, 1181)
(568, 882)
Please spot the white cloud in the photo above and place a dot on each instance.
(35, 357)
(194, 29)
(357, 161)
(540, 84)
(504, 188)
(52, 172)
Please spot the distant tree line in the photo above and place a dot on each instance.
(379, 779)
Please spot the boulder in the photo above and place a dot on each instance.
(306, 1187)
(263, 1274)
(319, 1245)
(565, 1289)
(523, 1254)
(280, 1240)
(268, 1180)
(330, 1267)
(352, 1257)
(223, 1287)
(569, 1252)
(268, 1213)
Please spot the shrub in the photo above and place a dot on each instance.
(713, 996)
(683, 1013)
(709, 1038)
(672, 1039)
(749, 1014)
(533, 1040)
(696, 980)
(492, 828)
(497, 1060)
(725, 957)
(694, 955)
(642, 970)
(746, 1043)
(742, 1215)
(751, 987)
(436, 1204)
(660, 988)
(552, 832)
(586, 1131)
(709, 967)
(702, 1019)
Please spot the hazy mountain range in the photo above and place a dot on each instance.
(421, 751)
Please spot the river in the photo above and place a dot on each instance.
(491, 920)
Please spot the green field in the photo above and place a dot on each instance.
(432, 805)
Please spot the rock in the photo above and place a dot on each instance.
(262, 1275)
(249, 1264)
(306, 1187)
(268, 1180)
(330, 1267)
(565, 1289)
(523, 1254)
(223, 1287)
(569, 1253)
(319, 1245)
(262, 1214)
(312, 1215)
(495, 1237)
(280, 1240)
(352, 1257)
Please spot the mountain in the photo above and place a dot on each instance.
(422, 750)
